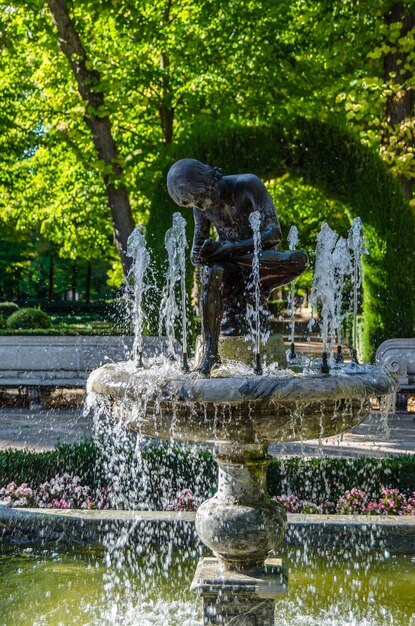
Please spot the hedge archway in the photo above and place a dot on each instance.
(336, 162)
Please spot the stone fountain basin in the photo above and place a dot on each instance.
(240, 409)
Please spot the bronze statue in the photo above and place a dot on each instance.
(226, 203)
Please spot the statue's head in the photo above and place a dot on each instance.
(191, 183)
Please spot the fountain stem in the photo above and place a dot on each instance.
(325, 368)
(185, 363)
(139, 360)
(258, 365)
(355, 360)
(292, 354)
(241, 525)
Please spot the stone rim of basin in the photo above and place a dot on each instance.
(256, 409)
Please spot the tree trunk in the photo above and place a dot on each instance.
(166, 110)
(74, 272)
(99, 123)
(88, 283)
(400, 105)
(51, 277)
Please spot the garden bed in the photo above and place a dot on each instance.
(181, 477)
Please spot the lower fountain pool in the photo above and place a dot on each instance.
(57, 586)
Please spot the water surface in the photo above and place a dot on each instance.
(60, 586)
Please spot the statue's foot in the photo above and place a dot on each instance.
(207, 363)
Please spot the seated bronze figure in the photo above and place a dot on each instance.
(226, 202)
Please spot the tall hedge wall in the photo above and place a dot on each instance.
(336, 162)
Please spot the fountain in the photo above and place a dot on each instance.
(241, 408)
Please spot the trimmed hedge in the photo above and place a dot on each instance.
(68, 307)
(7, 308)
(29, 318)
(35, 468)
(175, 468)
(276, 307)
(334, 160)
(328, 478)
(60, 331)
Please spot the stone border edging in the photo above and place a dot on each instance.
(394, 533)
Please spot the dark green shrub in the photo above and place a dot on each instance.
(29, 318)
(73, 307)
(327, 478)
(277, 306)
(35, 468)
(174, 468)
(7, 308)
(58, 332)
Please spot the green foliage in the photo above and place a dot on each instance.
(327, 478)
(175, 70)
(29, 318)
(7, 308)
(276, 307)
(35, 468)
(69, 330)
(314, 480)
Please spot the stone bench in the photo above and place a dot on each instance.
(40, 363)
(398, 356)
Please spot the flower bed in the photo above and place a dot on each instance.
(354, 502)
(66, 492)
(320, 485)
(62, 492)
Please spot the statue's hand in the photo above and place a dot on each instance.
(208, 248)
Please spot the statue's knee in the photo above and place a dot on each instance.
(300, 258)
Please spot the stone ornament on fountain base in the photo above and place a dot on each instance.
(246, 598)
(241, 525)
(240, 348)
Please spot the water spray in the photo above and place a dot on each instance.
(356, 243)
(293, 240)
(255, 222)
(137, 250)
(342, 267)
(176, 245)
(323, 285)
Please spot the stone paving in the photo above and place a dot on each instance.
(41, 429)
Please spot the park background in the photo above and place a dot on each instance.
(97, 99)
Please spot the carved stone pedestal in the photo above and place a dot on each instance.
(237, 598)
(241, 525)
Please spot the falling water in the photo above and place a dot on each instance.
(293, 240)
(342, 267)
(323, 279)
(176, 245)
(356, 243)
(255, 222)
(137, 250)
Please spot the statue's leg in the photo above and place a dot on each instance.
(276, 268)
(212, 308)
(280, 268)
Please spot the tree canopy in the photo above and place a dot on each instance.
(94, 94)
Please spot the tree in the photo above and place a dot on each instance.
(97, 118)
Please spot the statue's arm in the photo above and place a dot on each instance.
(230, 249)
(201, 233)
